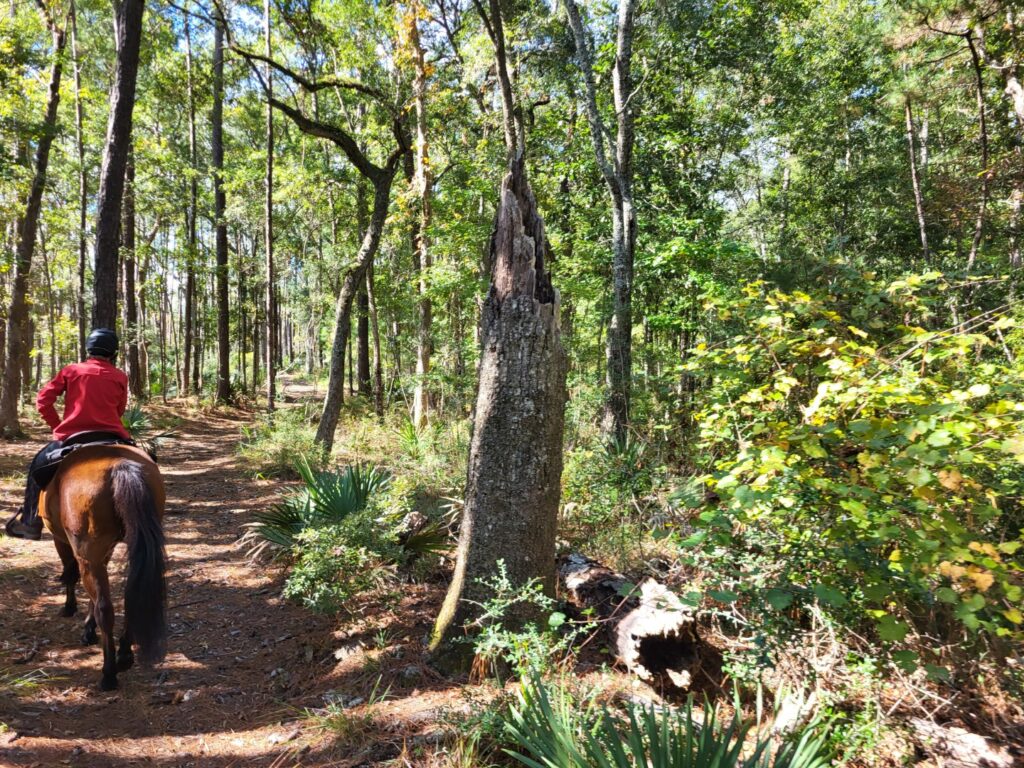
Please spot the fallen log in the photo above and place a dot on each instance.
(650, 630)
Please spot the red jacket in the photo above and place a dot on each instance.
(95, 396)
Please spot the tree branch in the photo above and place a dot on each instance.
(586, 64)
(334, 134)
(314, 85)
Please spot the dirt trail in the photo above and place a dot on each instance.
(239, 666)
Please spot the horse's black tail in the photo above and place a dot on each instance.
(145, 594)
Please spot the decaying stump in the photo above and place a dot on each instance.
(650, 630)
(513, 480)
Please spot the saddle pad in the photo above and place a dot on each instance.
(44, 473)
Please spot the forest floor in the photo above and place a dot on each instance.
(244, 668)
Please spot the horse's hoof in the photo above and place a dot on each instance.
(68, 611)
(125, 662)
(89, 637)
(108, 683)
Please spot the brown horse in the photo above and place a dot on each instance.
(101, 495)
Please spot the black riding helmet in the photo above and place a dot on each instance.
(101, 342)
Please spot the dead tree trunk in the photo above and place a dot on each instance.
(18, 335)
(115, 156)
(513, 481)
(515, 459)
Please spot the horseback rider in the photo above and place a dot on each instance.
(95, 396)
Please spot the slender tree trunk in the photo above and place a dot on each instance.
(986, 174)
(18, 335)
(915, 181)
(130, 306)
(50, 303)
(83, 186)
(618, 175)
(362, 304)
(269, 214)
(363, 346)
(354, 277)
(256, 323)
(219, 207)
(144, 314)
(115, 156)
(191, 214)
(378, 379)
(421, 244)
(163, 338)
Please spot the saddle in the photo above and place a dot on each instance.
(50, 460)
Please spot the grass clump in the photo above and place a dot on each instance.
(280, 441)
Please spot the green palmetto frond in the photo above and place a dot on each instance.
(325, 498)
(551, 730)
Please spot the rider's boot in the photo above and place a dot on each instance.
(31, 528)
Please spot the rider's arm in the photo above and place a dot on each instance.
(123, 404)
(48, 396)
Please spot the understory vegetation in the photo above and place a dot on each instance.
(846, 517)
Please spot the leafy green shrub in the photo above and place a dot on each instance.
(607, 489)
(325, 499)
(276, 443)
(336, 562)
(864, 462)
(508, 633)
(556, 730)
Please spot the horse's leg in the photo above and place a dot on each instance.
(125, 657)
(89, 630)
(97, 583)
(89, 636)
(68, 577)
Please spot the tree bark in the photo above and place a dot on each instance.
(915, 180)
(269, 216)
(515, 458)
(115, 156)
(363, 345)
(979, 222)
(219, 209)
(18, 336)
(618, 176)
(191, 214)
(421, 243)
(83, 186)
(378, 377)
(131, 310)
